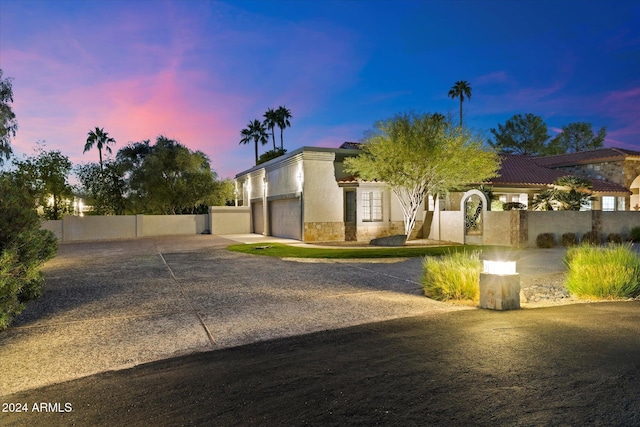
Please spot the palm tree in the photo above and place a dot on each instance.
(461, 89)
(101, 139)
(270, 122)
(255, 132)
(283, 116)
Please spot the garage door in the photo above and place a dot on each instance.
(257, 217)
(285, 218)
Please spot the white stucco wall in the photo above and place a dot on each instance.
(620, 222)
(323, 198)
(286, 178)
(452, 226)
(230, 219)
(557, 223)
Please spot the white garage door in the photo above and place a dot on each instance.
(285, 218)
(257, 217)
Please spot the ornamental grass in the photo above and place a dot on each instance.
(603, 272)
(454, 276)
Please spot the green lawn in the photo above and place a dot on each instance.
(285, 251)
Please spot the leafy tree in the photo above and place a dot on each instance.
(100, 139)
(572, 192)
(105, 190)
(45, 176)
(283, 115)
(172, 179)
(543, 201)
(417, 155)
(8, 123)
(521, 135)
(256, 132)
(576, 137)
(461, 89)
(270, 122)
(271, 154)
(223, 194)
(23, 248)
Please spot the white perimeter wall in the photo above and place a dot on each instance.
(230, 219)
(221, 220)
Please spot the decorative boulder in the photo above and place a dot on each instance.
(397, 240)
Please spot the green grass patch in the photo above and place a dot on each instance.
(603, 272)
(286, 251)
(455, 276)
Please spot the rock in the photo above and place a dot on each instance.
(397, 240)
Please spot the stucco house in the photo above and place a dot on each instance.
(307, 195)
(613, 172)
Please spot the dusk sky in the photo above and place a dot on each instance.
(199, 71)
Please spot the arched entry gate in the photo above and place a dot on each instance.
(473, 206)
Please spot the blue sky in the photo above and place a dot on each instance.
(199, 71)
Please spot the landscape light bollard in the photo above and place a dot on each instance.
(499, 282)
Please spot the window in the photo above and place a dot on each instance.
(621, 204)
(608, 203)
(371, 206)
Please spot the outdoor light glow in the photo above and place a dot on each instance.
(300, 178)
(499, 267)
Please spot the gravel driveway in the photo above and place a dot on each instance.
(116, 304)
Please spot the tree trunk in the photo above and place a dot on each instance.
(281, 139)
(256, 151)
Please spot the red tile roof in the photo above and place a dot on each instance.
(517, 170)
(351, 145)
(353, 178)
(592, 156)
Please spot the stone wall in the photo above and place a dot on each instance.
(620, 172)
(609, 171)
(323, 232)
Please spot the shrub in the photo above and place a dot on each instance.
(452, 277)
(545, 240)
(514, 206)
(23, 248)
(603, 272)
(591, 238)
(614, 238)
(569, 239)
(634, 234)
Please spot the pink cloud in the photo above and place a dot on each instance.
(493, 77)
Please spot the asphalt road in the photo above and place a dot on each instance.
(572, 365)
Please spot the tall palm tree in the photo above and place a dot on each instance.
(283, 116)
(461, 89)
(101, 139)
(270, 122)
(255, 132)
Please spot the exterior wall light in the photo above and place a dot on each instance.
(300, 178)
(499, 282)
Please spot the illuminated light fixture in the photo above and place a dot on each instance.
(499, 281)
(499, 267)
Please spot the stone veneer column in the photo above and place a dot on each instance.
(519, 229)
